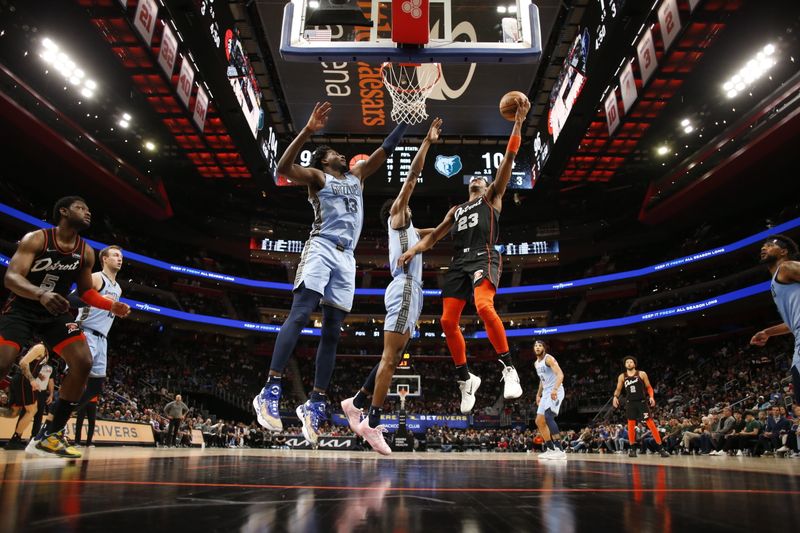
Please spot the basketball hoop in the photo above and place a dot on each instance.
(409, 85)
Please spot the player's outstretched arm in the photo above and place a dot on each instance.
(761, 338)
(427, 242)
(498, 187)
(398, 210)
(287, 166)
(378, 157)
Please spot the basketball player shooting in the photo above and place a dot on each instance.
(475, 269)
(326, 274)
(403, 300)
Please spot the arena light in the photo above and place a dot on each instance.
(502, 9)
(685, 122)
(61, 62)
(313, 4)
(150, 145)
(688, 129)
(753, 70)
(662, 150)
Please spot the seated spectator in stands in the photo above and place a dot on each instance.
(711, 442)
(776, 430)
(502, 446)
(673, 435)
(744, 438)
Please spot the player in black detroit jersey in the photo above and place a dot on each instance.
(634, 382)
(47, 262)
(475, 269)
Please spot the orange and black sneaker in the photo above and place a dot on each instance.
(58, 445)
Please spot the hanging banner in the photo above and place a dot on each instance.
(646, 51)
(200, 108)
(612, 112)
(145, 19)
(670, 21)
(185, 81)
(627, 87)
(168, 51)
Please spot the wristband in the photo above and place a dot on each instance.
(513, 143)
(394, 138)
(95, 299)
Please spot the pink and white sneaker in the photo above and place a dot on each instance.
(353, 414)
(374, 436)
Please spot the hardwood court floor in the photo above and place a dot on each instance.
(145, 490)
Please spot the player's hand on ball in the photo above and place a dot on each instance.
(759, 339)
(319, 117)
(615, 402)
(120, 309)
(435, 130)
(523, 106)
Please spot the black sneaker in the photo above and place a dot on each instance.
(663, 453)
(632, 452)
(15, 444)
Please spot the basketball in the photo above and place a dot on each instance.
(508, 104)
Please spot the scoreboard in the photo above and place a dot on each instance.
(447, 167)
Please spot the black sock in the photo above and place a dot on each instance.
(273, 380)
(506, 358)
(556, 444)
(549, 445)
(462, 372)
(61, 414)
(374, 416)
(317, 396)
(360, 399)
(16, 436)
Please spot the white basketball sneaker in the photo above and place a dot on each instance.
(374, 436)
(558, 455)
(468, 389)
(545, 455)
(511, 387)
(353, 414)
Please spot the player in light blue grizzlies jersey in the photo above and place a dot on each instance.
(96, 324)
(403, 301)
(779, 253)
(326, 272)
(548, 400)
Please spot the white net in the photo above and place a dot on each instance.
(409, 85)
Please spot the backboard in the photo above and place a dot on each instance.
(460, 32)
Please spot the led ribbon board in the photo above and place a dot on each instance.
(519, 332)
(525, 289)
